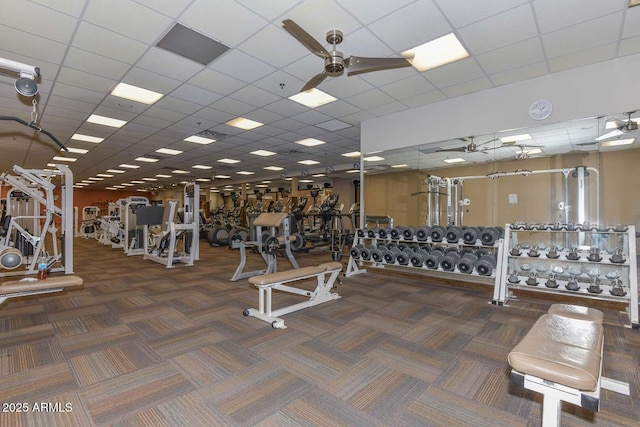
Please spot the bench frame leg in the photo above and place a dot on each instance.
(321, 294)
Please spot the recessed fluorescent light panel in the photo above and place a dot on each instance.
(309, 142)
(199, 140)
(64, 159)
(87, 138)
(318, 175)
(353, 171)
(134, 93)
(313, 98)
(230, 161)
(533, 151)
(169, 151)
(273, 168)
(222, 176)
(400, 166)
(456, 160)
(516, 138)
(245, 173)
(147, 159)
(263, 153)
(438, 52)
(104, 175)
(204, 167)
(352, 154)
(305, 181)
(203, 179)
(179, 171)
(374, 158)
(106, 121)
(76, 150)
(149, 179)
(115, 171)
(308, 162)
(617, 142)
(93, 178)
(163, 176)
(126, 184)
(242, 123)
(138, 182)
(127, 166)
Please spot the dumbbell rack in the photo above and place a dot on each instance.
(519, 269)
(356, 266)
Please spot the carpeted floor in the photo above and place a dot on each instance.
(142, 345)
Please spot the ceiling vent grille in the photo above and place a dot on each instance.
(212, 134)
(192, 45)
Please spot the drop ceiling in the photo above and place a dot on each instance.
(84, 48)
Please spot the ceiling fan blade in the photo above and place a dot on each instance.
(315, 81)
(305, 38)
(613, 133)
(359, 65)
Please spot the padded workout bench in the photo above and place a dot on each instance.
(561, 357)
(25, 287)
(268, 282)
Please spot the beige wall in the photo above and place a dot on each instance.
(538, 195)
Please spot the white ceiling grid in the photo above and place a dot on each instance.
(84, 48)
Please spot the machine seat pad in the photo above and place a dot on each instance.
(270, 219)
(329, 266)
(13, 286)
(562, 350)
(577, 312)
(285, 276)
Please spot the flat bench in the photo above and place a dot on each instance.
(278, 281)
(561, 357)
(29, 286)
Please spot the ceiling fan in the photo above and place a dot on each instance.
(622, 127)
(472, 147)
(334, 61)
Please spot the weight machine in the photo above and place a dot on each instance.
(453, 190)
(88, 225)
(133, 232)
(25, 229)
(277, 226)
(160, 243)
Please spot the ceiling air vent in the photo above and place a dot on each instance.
(190, 44)
(212, 134)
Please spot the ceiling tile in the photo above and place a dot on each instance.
(289, 49)
(168, 64)
(22, 15)
(410, 26)
(463, 12)
(216, 81)
(454, 73)
(232, 31)
(407, 88)
(95, 64)
(242, 66)
(269, 10)
(500, 30)
(586, 35)
(368, 11)
(554, 15)
(585, 57)
(518, 74)
(254, 96)
(167, 7)
(124, 17)
(32, 46)
(107, 43)
(151, 81)
(467, 87)
(195, 94)
(513, 56)
(631, 23)
(317, 17)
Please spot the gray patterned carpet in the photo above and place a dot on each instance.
(142, 345)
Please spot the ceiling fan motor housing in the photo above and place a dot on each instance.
(334, 64)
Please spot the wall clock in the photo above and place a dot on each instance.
(540, 109)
